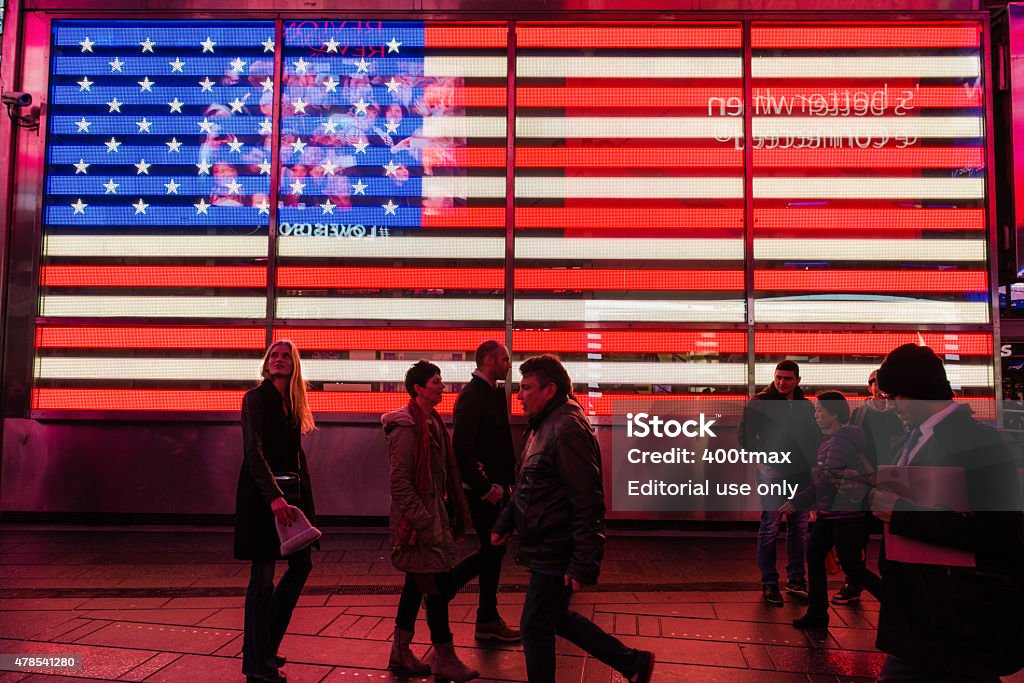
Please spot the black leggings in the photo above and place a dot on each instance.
(849, 536)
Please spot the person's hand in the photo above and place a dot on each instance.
(787, 508)
(494, 495)
(573, 583)
(882, 504)
(499, 539)
(850, 483)
(282, 511)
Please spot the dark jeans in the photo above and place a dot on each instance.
(268, 610)
(768, 533)
(489, 564)
(895, 670)
(849, 536)
(546, 613)
(447, 584)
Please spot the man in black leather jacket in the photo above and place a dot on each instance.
(558, 509)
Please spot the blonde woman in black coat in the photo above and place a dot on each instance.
(274, 416)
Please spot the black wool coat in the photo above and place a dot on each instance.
(271, 444)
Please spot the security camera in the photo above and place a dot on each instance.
(16, 99)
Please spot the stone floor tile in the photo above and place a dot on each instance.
(158, 637)
(108, 663)
(334, 652)
(169, 616)
(25, 625)
(757, 657)
(760, 612)
(732, 631)
(40, 604)
(836, 662)
(233, 648)
(212, 603)
(672, 609)
(151, 666)
(87, 628)
(123, 603)
(341, 624)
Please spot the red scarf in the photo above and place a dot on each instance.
(454, 497)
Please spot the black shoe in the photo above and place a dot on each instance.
(280, 661)
(846, 595)
(644, 667)
(270, 678)
(812, 622)
(797, 588)
(770, 593)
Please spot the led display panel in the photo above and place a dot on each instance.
(629, 203)
(156, 207)
(619, 244)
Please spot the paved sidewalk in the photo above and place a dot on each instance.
(165, 604)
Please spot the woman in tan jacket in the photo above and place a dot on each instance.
(428, 513)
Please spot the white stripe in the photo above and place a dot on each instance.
(563, 248)
(536, 248)
(401, 246)
(142, 246)
(464, 127)
(870, 250)
(866, 67)
(848, 375)
(465, 67)
(868, 129)
(152, 307)
(629, 67)
(531, 187)
(241, 369)
(847, 311)
(722, 128)
(351, 308)
(463, 186)
(591, 310)
(869, 188)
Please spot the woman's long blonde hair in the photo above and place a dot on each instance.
(302, 416)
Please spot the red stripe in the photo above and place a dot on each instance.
(391, 339)
(153, 276)
(870, 281)
(767, 100)
(179, 400)
(463, 157)
(899, 35)
(870, 343)
(484, 35)
(632, 37)
(628, 218)
(696, 158)
(879, 159)
(624, 97)
(869, 219)
(160, 337)
(642, 280)
(464, 217)
(319, 277)
(464, 96)
(523, 341)
(768, 342)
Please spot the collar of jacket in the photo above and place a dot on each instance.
(536, 421)
(770, 393)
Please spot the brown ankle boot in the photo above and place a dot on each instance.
(402, 658)
(447, 667)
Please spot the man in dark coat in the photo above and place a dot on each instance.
(486, 457)
(780, 418)
(558, 509)
(943, 622)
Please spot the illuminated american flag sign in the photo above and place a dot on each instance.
(627, 206)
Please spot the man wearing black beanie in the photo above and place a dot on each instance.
(943, 623)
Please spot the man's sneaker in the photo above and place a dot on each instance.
(846, 595)
(770, 593)
(496, 630)
(644, 667)
(797, 588)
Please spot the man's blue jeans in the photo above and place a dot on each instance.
(768, 534)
